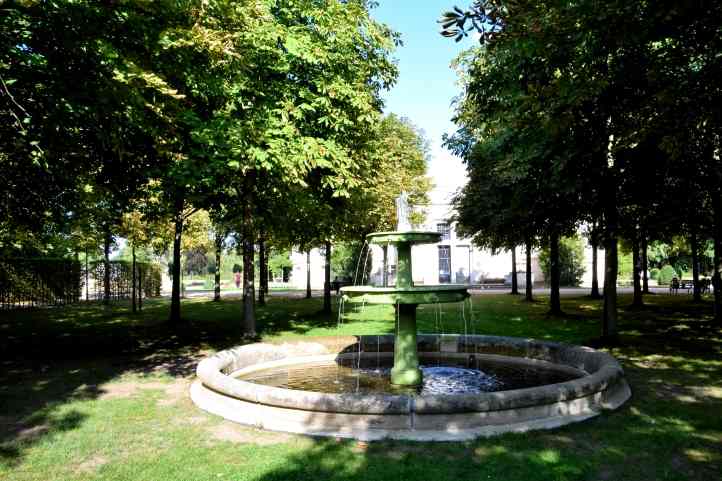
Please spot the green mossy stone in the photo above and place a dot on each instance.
(409, 237)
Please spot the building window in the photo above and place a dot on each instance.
(444, 264)
(444, 230)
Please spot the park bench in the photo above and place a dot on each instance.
(338, 283)
(688, 286)
(492, 283)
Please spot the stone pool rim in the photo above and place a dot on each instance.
(431, 416)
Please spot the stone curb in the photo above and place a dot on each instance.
(602, 386)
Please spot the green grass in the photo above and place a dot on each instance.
(89, 393)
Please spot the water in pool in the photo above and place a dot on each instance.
(447, 376)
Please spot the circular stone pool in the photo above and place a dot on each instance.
(474, 386)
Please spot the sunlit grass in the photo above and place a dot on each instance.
(91, 393)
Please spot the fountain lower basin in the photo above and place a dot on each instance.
(221, 389)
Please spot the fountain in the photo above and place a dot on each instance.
(405, 296)
(408, 385)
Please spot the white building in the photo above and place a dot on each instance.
(300, 267)
(452, 260)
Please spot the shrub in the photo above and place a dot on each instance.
(345, 260)
(625, 266)
(211, 267)
(571, 261)
(654, 273)
(666, 275)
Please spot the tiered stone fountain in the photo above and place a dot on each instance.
(406, 297)
(338, 385)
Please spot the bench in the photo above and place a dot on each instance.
(338, 283)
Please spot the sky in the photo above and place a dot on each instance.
(426, 85)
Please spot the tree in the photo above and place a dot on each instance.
(279, 261)
(517, 163)
(73, 137)
(571, 261)
(606, 74)
(593, 238)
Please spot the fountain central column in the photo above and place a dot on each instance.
(406, 370)
(405, 297)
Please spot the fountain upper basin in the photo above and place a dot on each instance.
(405, 295)
(409, 237)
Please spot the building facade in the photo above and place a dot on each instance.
(452, 260)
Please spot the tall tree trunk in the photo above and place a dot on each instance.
(308, 274)
(385, 275)
(267, 273)
(529, 288)
(134, 279)
(140, 288)
(609, 314)
(175, 298)
(244, 272)
(249, 295)
(595, 263)
(645, 264)
(106, 266)
(87, 275)
(717, 279)
(262, 269)
(514, 280)
(555, 306)
(327, 280)
(636, 271)
(217, 273)
(76, 294)
(694, 242)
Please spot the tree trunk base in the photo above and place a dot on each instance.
(249, 337)
(604, 341)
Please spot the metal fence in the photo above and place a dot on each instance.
(148, 278)
(27, 283)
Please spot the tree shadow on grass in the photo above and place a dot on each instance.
(632, 444)
(53, 357)
(25, 433)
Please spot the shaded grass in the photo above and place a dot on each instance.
(70, 406)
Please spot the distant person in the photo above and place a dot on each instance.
(237, 276)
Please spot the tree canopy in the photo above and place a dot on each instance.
(589, 112)
(134, 118)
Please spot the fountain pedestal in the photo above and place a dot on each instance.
(406, 370)
(405, 297)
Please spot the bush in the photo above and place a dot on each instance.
(211, 267)
(237, 268)
(345, 259)
(625, 266)
(654, 273)
(666, 275)
(571, 261)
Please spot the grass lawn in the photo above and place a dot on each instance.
(88, 393)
